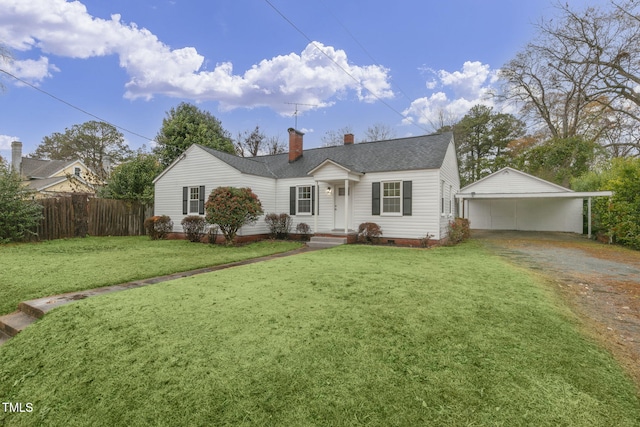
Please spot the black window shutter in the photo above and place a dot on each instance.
(313, 200)
(406, 198)
(185, 200)
(375, 198)
(201, 202)
(292, 200)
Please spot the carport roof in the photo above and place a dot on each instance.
(509, 183)
(546, 195)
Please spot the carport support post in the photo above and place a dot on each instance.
(589, 217)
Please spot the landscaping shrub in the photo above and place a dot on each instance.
(212, 234)
(425, 242)
(158, 227)
(194, 227)
(230, 208)
(618, 216)
(279, 225)
(19, 214)
(369, 232)
(458, 231)
(304, 230)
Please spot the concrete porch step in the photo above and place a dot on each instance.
(321, 242)
(11, 324)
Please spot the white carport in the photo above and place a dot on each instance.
(513, 200)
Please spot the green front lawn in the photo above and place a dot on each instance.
(354, 335)
(35, 270)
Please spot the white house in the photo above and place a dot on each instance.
(512, 200)
(404, 185)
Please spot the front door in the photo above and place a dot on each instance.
(339, 200)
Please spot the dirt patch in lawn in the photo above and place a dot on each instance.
(600, 281)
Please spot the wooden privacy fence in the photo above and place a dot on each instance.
(80, 215)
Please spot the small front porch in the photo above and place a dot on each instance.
(336, 186)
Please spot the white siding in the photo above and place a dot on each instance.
(330, 172)
(512, 181)
(325, 219)
(451, 177)
(265, 189)
(201, 168)
(538, 214)
(425, 216)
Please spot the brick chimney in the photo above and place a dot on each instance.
(348, 138)
(16, 156)
(295, 144)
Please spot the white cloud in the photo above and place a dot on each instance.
(33, 71)
(66, 29)
(458, 92)
(6, 140)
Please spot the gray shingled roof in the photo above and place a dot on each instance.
(418, 152)
(36, 168)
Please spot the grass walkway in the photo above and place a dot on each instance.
(35, 270)
(354, 335)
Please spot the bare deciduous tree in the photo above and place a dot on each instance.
(275, 146)
(579, 77)
(378, 132)
(250, 144)
(333, 138)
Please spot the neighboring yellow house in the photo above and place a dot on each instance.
(49, 178)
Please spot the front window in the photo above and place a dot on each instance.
(76, 171)
(194, 200)
(304, 200)
(391, 197)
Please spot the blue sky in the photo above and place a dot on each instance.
(359, 63)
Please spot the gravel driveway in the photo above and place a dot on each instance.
(602, 282)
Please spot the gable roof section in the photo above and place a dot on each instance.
(412, 153)
(38, 168)
(328, 162)
(508, 180)
(44, 183)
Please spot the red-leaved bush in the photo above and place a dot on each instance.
(458, 231)
(230, 208)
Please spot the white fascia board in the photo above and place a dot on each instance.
(552, 195)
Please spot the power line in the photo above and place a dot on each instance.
(346, 29)
(338, 65)
(73, 106)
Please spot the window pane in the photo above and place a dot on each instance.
(304, 206)
(391, 189)
(304, 192)
(194, 199)
(391, 204)
(391, 197)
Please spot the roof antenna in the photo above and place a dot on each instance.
(295, 113)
